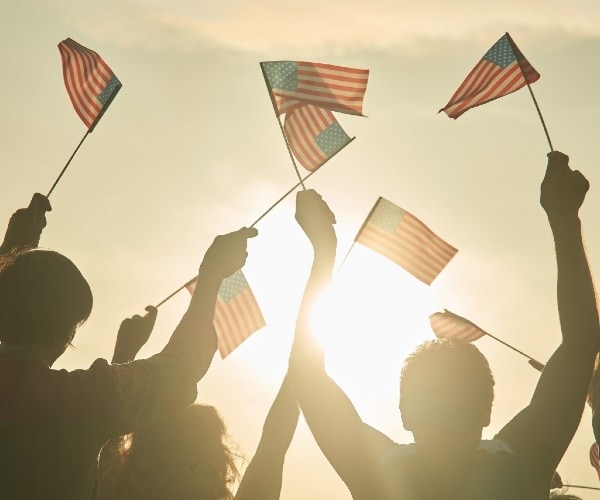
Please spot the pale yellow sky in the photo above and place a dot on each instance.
(190, 148)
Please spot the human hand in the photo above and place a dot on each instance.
(563, 190)
(133, 333)
(315, 218)
(26, 224)
(228, 253)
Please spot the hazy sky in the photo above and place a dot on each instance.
(190, 148)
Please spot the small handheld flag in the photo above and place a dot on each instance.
(293, 83)
(405, 240)
(90, 83)
(314, 135)
(237, 315)
(308, 92)
(502, 70)
(91, 86)
(447, 325)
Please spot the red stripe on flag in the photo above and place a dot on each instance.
(412, 245)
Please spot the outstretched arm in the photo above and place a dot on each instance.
(263, 477)
(348, 443)
(542, 432)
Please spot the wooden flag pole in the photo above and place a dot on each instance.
(176, 291)
(301, 183)
(290, 153)
(359, 231)
(285, 195)
(68, 162)
(582, 487)
(533, 362)
(274, 104)
(516, 52)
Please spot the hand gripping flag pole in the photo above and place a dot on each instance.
(91, 86)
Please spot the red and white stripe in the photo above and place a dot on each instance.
(235, 320)
(86, 76)
(412, 246)
(488, 81)
(337, 88)
(302, 126)
(447, 325)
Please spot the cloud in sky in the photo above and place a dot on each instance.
(336, 25)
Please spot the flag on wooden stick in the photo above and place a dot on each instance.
(237, 315)
(447, 325)
(90, 83)
(293, 83)
(502, 70)
(314, 135)
(405, 240)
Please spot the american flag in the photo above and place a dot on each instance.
(405, 240)
(237, 315)
(594, 458)
(502, 70)
(447, 325)
(90, 83)
(314, 135)
(293, 83)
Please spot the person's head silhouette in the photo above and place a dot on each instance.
(43, 299)
(446, 394)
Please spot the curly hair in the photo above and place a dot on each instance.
(185, 456)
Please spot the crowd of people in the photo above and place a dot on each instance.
(131, 428)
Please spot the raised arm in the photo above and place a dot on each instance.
(263, 477)
(348, 443)
(167, 380)
(26, 225)
(542, 432)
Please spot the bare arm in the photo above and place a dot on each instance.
(350, 445)
(167, 381)
(263, 477)
(542, 432)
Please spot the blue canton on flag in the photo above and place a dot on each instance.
(233, 286)
(332, 139)
(501, 53)
(387, 215)
(282, 74)
(113, 85)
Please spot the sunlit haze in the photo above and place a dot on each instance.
(190, 148)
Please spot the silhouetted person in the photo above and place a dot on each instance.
(186, 455)
(26, 224)
(446, 387)
(53, 423)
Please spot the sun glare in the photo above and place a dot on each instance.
(369, 320)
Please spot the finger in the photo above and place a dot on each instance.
(557, 163)
(581, 181)
(151, 312)
(248, 232)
